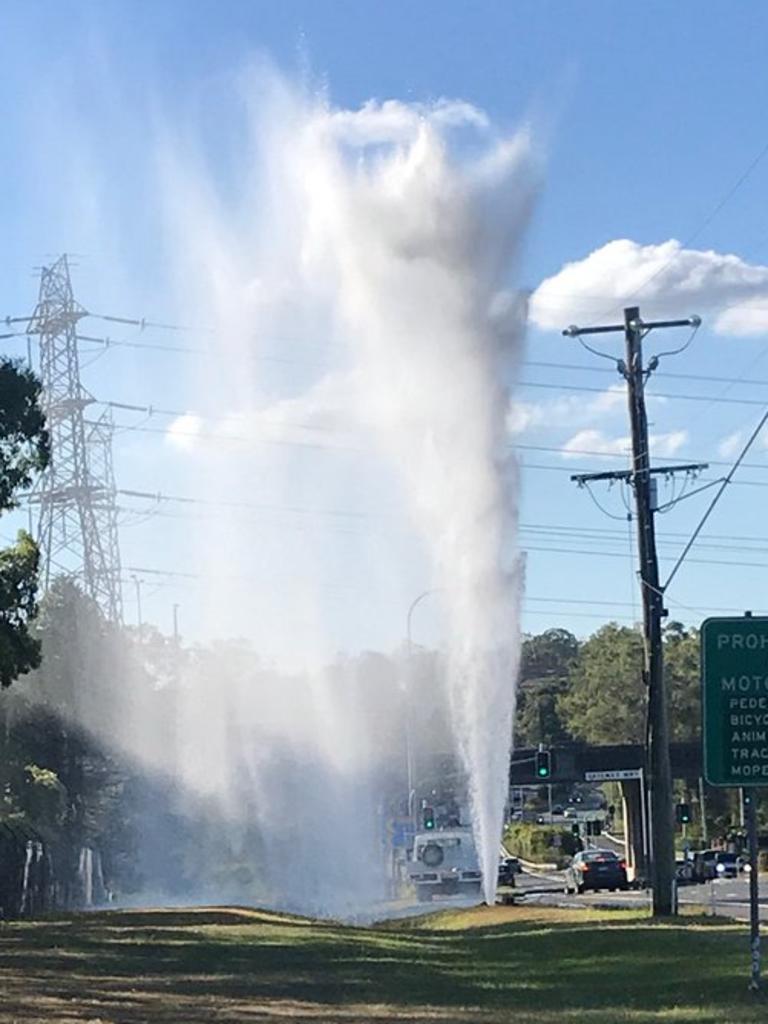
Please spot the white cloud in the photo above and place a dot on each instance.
(320, 414)
(745, 320)
(665, 280)
(731, 445)
(569, 410)
(668, 444)
(597, 443)
(184, 431)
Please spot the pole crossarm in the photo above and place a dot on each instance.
(628, 474)
(637, 324)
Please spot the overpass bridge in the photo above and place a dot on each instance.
(572, 763)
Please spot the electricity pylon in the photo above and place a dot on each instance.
(77, 526)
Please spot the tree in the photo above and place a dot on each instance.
(606, 700)
(19, 649)
(547, 661)
(24, 451)
(64, 771)
(681, 669)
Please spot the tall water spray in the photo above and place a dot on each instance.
(377, 248)
(416, 234)
(395, 230)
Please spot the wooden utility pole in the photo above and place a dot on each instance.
(641, 477)
(659, 768)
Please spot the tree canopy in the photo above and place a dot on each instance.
(605, 701)
(24, 451)
(547, 661)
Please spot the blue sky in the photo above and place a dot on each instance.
(649, 116)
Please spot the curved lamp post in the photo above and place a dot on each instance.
(409, 656)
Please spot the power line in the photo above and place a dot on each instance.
(566, 536)
(656, 394)
(708, 378)
(214, 435)
(716, 499)
(722, 202)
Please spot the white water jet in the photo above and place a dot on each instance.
(383, 243)
(417, 242)
(395, 229)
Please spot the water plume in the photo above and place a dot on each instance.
(416, 235)
(396, 228)
(378, 249)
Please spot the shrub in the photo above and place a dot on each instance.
(541, 844)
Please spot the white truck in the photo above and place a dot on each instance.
(444, 861)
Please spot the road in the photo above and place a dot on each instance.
(728, 897)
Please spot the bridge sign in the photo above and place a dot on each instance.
(734, 697)
(614, 774)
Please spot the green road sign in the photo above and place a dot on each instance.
(734, 679)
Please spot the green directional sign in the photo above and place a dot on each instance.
(734, 677)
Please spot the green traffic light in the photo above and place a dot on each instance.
(543, 772)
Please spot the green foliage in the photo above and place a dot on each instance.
(546, 664)
(43, 800)
(681, 671)
(24, 450)
(19, 650)
(606, 699)
(537, 843)
(24, 445)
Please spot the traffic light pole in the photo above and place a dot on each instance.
(640, 476)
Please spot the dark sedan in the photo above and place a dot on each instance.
(709, 864)
(596, 869)
(508, 868)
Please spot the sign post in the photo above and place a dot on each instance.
(754, 918)
(734, 679)
(623, 775)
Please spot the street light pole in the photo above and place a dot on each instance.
(137, 582)
(408, 673)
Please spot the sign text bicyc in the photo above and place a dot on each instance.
(734, 674)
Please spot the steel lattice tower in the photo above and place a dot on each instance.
(77, 528)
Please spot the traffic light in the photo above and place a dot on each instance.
(683, 814)
(428, 817)
(543, 764)
(576, 828)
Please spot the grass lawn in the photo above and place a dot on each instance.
(516, 965)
